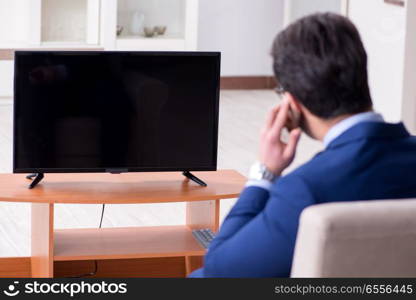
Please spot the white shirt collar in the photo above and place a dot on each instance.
(347, 123)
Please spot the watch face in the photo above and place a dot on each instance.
(263, 170)
(260, 172)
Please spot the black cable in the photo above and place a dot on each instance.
(102, 216)
(95, 261)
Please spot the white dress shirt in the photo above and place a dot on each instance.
(335, 131)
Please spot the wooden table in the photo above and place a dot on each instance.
(164, 251)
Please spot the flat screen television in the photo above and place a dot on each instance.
(89, 111)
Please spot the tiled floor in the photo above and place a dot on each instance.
(241, 117)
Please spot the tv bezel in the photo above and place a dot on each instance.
(119, 169)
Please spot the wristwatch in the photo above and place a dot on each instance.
(259, 171)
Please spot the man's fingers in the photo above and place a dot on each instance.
(271, 117)
(281, 118)
(293, 143)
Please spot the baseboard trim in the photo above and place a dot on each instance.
(15, 267)
(247, 82)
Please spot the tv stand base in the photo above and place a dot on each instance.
(192, 177)
(37, 177)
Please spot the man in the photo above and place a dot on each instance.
(321, 67)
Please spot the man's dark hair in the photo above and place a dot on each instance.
(320, 59)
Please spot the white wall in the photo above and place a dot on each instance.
(409, 83)
(389, 37)
(296, 9)
(383, 32)
(6, 78)
(243, 30)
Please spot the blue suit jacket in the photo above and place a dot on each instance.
(369, 161)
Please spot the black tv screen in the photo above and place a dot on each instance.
(115, 111)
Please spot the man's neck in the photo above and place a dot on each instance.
(338, 128)
(320, 127)
(325, 126)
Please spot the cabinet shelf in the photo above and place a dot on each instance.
(67, 45)
(125, 243)
(159, 37)
(166, 42)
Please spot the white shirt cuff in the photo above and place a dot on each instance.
(265, 184)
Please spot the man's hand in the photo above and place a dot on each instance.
(275, 154)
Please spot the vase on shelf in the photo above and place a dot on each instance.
(137, 22)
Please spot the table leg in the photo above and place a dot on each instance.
(203, 214)
(42, 240)
(199, 215)
(192, 263)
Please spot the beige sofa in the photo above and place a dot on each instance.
(357, 239)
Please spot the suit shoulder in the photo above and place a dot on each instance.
(314, 165)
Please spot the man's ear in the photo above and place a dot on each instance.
(304, 118)
(295, 111)
(295, 105)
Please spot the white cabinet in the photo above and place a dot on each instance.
(86, 23)
(15, 20)
(92, 24)
(180, 17)
(46, 23)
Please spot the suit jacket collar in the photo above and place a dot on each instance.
(370, 130)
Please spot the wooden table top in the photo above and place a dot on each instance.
(99, 188)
